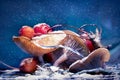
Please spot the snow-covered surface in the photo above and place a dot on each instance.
(55, 73)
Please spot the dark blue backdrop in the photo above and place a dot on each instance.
(16, 13)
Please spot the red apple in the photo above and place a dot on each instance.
(42, 28)
(28, 65)
(26, 31)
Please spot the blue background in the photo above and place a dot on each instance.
(16, 13)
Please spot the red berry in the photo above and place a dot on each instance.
(89, 45)
(29, 65)
(48, 57)
(42, 28)
(26, 31)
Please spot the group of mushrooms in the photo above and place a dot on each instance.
(62, 48)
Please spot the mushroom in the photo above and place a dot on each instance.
(52, 42)
(95, 59)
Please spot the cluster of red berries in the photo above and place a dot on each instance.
(38, 29)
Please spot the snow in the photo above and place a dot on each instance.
(55, 73)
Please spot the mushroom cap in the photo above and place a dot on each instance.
(35, 46)
(95, 59)
(47, 43)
